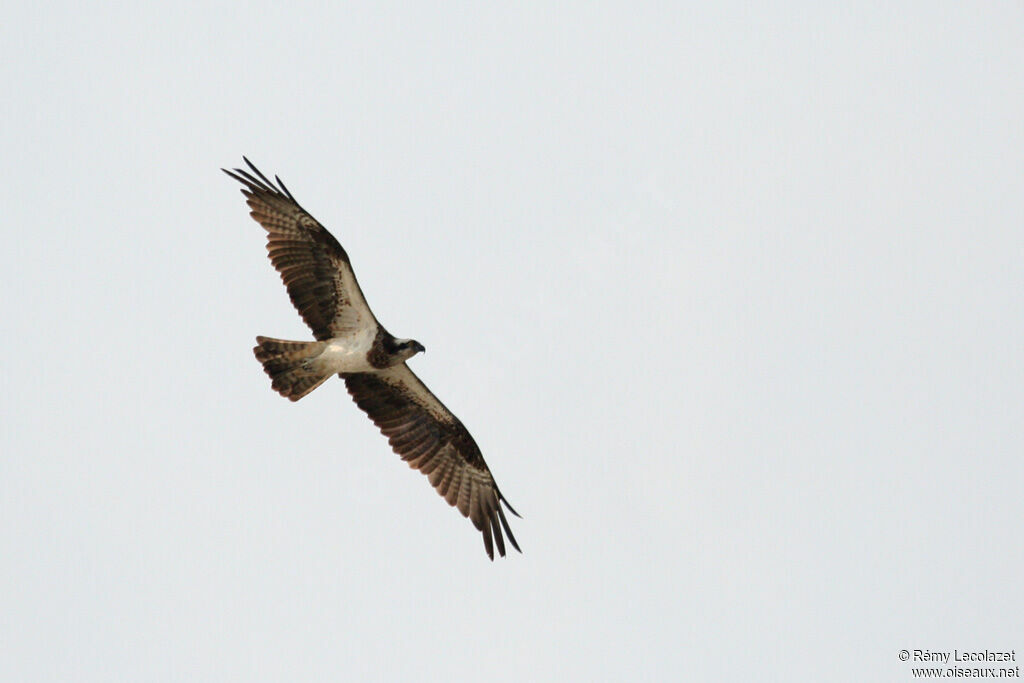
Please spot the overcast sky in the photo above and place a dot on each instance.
(731, 298)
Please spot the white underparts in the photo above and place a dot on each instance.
(346, 354)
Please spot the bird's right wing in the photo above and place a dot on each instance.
(312, 263)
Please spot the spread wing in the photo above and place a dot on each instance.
(312, 264)
(432, 440)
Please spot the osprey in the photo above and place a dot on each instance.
(350, 342)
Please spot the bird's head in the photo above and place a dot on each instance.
(404, 349)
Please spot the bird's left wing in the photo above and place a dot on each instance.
(432, 440)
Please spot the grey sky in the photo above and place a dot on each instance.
(730, 297)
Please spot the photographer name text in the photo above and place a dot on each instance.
(962, 656)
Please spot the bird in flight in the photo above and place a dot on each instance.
(350, 342)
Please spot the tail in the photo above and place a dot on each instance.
(289, 365)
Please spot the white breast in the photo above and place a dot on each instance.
(348, 353)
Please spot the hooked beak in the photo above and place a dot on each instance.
(420, 348)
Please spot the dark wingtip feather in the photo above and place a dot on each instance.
(234, 175)
(283, 188)
(260, 182)
(497, 537)
(259, 173)
(508, 529)
(246, 179)
(510, 508)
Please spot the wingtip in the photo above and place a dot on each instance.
(510, 508)
(283, 188)
(508, 531)
(499, 540)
